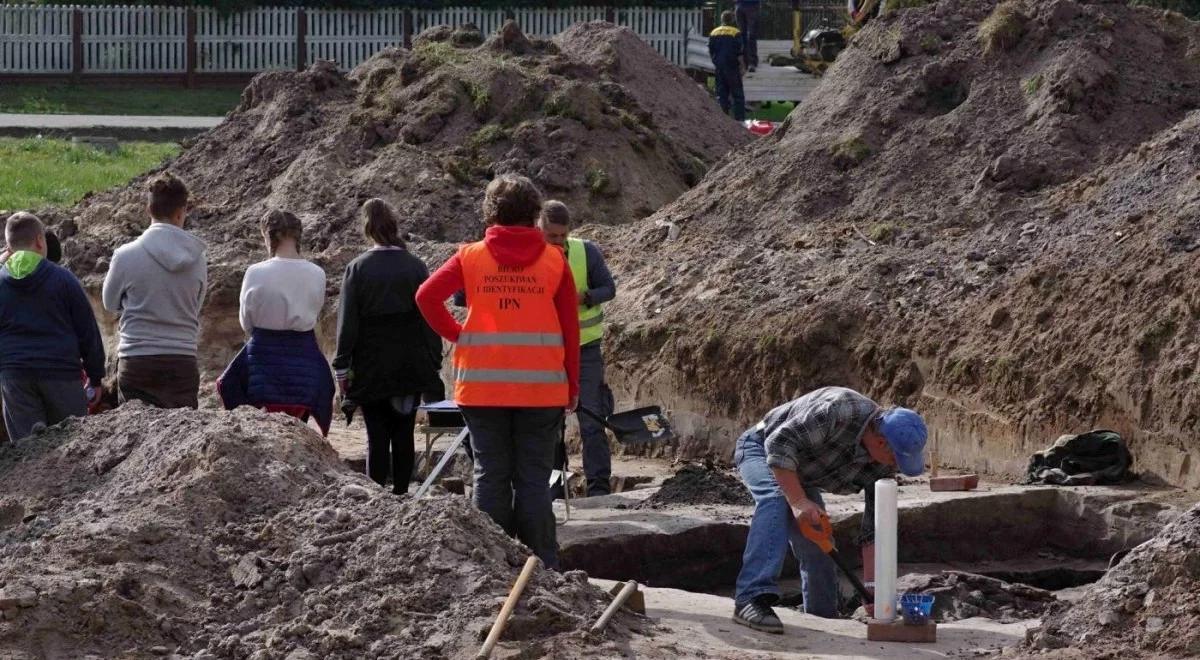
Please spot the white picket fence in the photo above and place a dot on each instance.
(154, 40)
(35, 39)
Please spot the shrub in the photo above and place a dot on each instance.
(1003, 28)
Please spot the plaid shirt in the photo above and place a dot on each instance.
(819, 437)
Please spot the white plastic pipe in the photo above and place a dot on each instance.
(885, 550)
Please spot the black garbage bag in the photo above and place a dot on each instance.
(1097, 457)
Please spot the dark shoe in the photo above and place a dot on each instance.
(757, 615)
(751, 68)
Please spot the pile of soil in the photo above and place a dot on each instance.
(242, 534)
(699, 483)
(958, 595)
(985, 211)
(596, 118)
(1149, 604)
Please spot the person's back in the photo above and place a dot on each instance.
(157, 284)
(725, 45)
(47, 333)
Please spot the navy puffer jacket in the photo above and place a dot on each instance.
(280, 368)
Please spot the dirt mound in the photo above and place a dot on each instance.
(241, 534)
(984, 211)
(958, 595)
(696, 483)
(424, 129)
(1149, 604)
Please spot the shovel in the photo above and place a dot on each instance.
(634, 427)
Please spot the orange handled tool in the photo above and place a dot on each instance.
(822, 535)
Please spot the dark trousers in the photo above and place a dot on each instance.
(389, 444)
(747, 23)
(729, 91)
(162, 381)
(29, 402)
(597, 455)
(514, 454)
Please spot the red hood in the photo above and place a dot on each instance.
(515, 246)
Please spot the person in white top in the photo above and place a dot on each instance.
(287, 291)
(281, 368)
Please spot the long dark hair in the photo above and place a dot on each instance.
(381, 224)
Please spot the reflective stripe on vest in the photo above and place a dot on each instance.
(591, 318)
(510, 352)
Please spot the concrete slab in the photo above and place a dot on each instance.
(699, 625)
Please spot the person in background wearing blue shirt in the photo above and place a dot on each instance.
(47, 332)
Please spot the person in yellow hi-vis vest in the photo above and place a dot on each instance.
(595, 286)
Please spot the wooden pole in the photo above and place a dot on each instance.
(301, 39)
(191, 55)
(627, 591)
(407, 28)
(77, 43)
(501, 621)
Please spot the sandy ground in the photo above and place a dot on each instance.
(699, 625)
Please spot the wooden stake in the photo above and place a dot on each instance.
(511, 603)
(629, 589)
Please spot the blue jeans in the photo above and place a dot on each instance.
(771, 530)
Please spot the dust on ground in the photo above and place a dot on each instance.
(699, 483)
(961, 595)
(595, 117)
(1147, 605)
(985, 211)
(235, 535)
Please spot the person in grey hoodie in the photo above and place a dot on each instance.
(157, 284)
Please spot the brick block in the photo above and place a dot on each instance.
(898, 631)
(961, 482)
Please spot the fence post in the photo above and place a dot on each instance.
(406, 28)
(610, 13)
(76, 43)
(708, 20)
(301, 38)
(189, 78)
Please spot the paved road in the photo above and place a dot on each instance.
(130, 127)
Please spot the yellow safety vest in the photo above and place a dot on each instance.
(591, 317)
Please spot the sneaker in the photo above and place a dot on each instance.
(751, 69)
(757, 615)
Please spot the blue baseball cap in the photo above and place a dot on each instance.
(906, 434)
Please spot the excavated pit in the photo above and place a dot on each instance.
(1033, 537)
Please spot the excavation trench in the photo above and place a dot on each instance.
(1044, 537)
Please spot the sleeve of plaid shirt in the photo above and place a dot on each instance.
(798, 441)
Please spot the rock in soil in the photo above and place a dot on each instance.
(193, 533)
(1148, 605)
(697, 483)
(958, 595)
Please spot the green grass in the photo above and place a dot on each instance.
(107, 100)
(35, 173)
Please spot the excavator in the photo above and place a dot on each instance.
(817, 48)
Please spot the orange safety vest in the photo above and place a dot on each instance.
(510, 352)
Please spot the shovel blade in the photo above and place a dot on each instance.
(642, 425)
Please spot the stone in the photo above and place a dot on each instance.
(325, 516)
(343, 516)
(1133, 605)
(1109, 617)
(1154, 624)
(354, 491)
(17, 595)
(247, 573)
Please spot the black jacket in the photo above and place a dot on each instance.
(384, 344)
(725, 48)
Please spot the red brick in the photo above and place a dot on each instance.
(901, 632)
(961, 482)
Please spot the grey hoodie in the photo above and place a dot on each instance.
(156, 283)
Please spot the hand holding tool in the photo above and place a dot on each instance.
(822, 535)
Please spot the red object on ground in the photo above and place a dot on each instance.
(961, 482)
(760, 126)
(898, 631)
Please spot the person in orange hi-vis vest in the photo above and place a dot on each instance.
(516, 358)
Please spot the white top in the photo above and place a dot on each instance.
(282, 294)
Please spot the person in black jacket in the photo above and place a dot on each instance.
(387, 355)
(725, 49)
